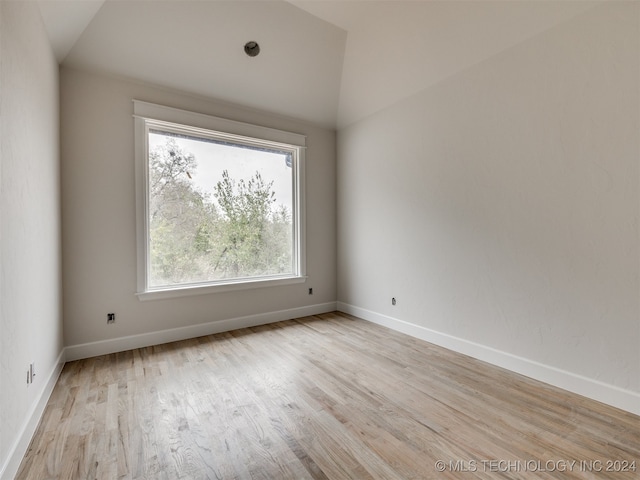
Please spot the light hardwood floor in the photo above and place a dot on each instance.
(326, 397)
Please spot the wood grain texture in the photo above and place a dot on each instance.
(324, 397)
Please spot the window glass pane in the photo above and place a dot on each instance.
(218, 210)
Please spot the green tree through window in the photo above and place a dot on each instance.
(236, 229)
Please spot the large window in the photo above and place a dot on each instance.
(219, 203)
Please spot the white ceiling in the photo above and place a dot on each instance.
(329, 62)
(65, 20)
(397, 48)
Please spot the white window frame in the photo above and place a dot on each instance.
(149, 115)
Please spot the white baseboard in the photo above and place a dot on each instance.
(602, 392)
(104, 347)
(16, 453)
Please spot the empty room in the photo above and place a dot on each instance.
(316, 239)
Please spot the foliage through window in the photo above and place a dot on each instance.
(220, 207)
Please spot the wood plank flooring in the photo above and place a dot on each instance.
(325, 397)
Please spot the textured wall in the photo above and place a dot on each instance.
(30, 284)
(98, 205)
(500, 206)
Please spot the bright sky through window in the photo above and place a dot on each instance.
(213, 158)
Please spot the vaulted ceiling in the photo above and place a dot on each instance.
(328, 62)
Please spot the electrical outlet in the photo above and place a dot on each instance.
(111, 318)
(31, 372)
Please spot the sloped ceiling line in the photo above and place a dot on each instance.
(328, 62)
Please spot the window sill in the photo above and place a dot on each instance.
(209, 288)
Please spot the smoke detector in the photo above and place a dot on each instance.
(252, 48)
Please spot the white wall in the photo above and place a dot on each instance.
(500, 206)
(99, 236)
(203, 54)
(30, 284)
